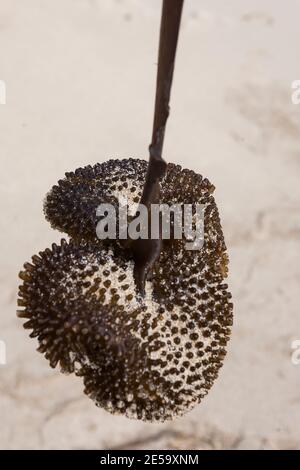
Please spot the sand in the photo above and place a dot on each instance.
(79, 78)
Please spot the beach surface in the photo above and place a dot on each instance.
(80, 81)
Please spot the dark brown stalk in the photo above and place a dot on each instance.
(146, 252)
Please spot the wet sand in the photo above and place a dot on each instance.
(80, 78)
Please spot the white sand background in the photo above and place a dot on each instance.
(80, 77)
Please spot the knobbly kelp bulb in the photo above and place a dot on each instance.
(148, 346)
(150, 357)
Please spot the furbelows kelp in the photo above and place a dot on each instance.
(151, 357)
(144, 323)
